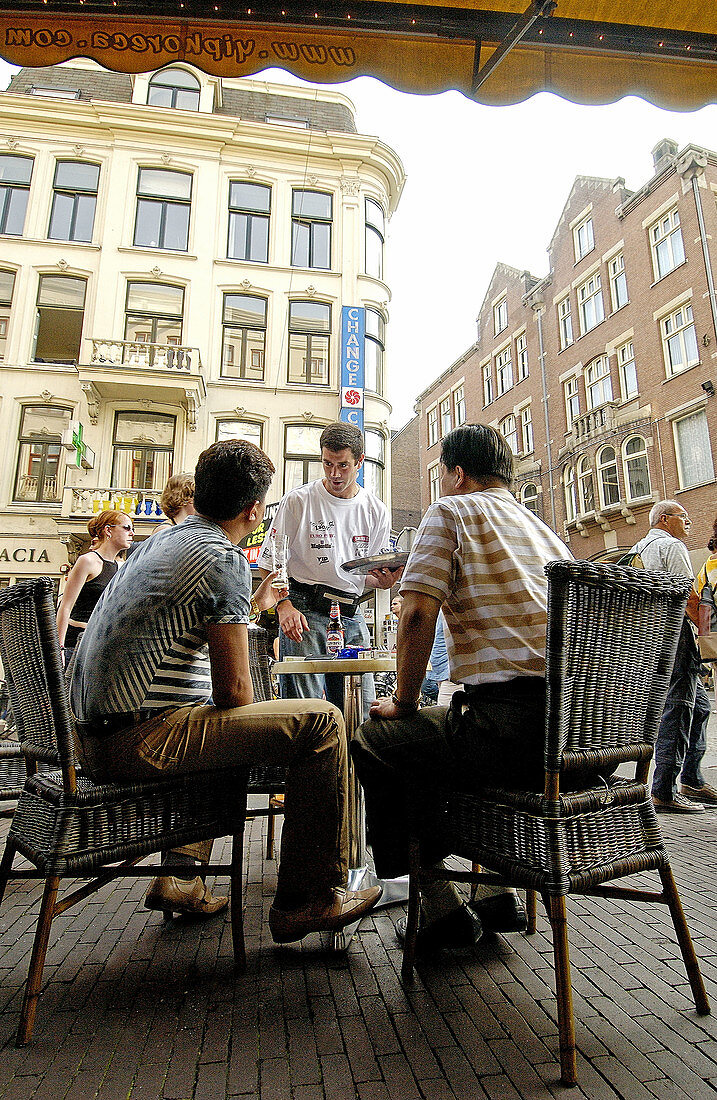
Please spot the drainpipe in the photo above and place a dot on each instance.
(690, 166)
(536, 302)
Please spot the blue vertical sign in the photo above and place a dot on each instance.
(353, 329)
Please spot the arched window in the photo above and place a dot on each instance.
(586, 487)
(598, 384)
(529, 497)
(373, 467)
(635, 468)
(607, 477)
(509, 432)
(174, 88)
(571, 507)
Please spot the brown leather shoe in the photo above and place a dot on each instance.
(342, 907)
(192, 899)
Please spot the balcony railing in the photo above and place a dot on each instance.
(141, 504)
(596, 421)
(141, 356)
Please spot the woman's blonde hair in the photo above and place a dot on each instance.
(110, 518)
(177, 492)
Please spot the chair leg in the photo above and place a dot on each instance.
(270, 829)
(566, 1023)
(6, 865)
(531, 909)
(236, 901)
(414, 904)
(685, 941)
(37, 961)
(475, 870)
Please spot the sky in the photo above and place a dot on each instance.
(485, 185)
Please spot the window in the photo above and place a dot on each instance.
(635, 468)
(504, 371)
(459, 406)
(302, 455)
(571, 504)
(7, 283)
(432, 422)
(153, 319)
(58, 322)
(374, 350)
(309, 336)
(586, 490)
(249, 211)
(529, 497)
(240, 429)
(55, 93)
(618, 282)
(526, 430)
(607, 477)
(311, 229)
(434, 482)
(572, 401)
(509, 432)
(373, 466)
(174, 88)
(163, 206)
(521, 351)
(38, 466)
(487, 384)
(15, 176)
(694, 452)
(500, 316)
(679, 340)
(73, 201)
(668, 249)
(143, 450)
(375, 237)
(243, 337)
(598, 384)
(565, 323)
(445, 413)
(628, 371)
(590, 303)
(583, 238)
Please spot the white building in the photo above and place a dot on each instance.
(175, 253)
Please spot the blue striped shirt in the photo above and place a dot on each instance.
(145, 645)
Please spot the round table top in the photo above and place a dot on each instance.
(347, 665)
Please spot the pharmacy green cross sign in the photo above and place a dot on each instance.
(72, 439)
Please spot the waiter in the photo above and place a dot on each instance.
(328, 522)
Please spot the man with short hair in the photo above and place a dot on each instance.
(328, 522)
(170, 631)
(681, 741)
(479, 556)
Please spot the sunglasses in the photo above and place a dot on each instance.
(124, 526)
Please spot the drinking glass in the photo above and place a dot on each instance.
(279, 557)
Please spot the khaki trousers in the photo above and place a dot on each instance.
(307, 735)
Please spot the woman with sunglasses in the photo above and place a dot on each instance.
(111, 533)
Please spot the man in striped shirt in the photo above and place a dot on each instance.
(169, 631)
(478, 555)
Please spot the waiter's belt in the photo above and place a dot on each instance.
(319, 597)
(112, 723)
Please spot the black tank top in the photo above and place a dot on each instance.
(87, 600)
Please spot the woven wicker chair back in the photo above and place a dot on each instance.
(611, 642)
(30, 653)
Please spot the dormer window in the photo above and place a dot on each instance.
(174, 88)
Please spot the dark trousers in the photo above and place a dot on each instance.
(673, 735)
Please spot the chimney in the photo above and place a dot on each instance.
(664, 153)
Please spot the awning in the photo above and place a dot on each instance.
(495, 51)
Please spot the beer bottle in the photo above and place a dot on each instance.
(334, 631)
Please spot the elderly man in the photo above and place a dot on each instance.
(681, 741)
(170, 631)
(480, 556)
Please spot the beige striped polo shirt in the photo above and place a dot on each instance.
(482, 555)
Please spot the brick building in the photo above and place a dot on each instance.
(602, 374)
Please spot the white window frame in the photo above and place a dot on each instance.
(500, 315)
(434, 482)
(572, 400)
(678, 330)
(707, 474)
(504, 371)
(509, 430)
(618, 282)
(459, 405)
(583, 238)
(598, 382)
(627, 459)
(590, 303)
(628, 370)
(432, 425)
(532, 497)
(521, 355)
(487, 384)
(444, 415)
(565, 323)
(666, 243)
(602, 466)
(526, 430)
(570, 494)
(585, 477)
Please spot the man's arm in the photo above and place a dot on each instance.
(416, 631)
(229, 661)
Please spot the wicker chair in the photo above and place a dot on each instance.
(611, 642)
(15, 762)
(69, 827)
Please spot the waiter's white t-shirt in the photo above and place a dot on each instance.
(324, 531)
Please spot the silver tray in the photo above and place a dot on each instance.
(376, 561)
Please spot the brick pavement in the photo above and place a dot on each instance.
(135, 1009)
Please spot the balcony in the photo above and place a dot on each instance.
(594, 423)
(164, 373)
(80, 504)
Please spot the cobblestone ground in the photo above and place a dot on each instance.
(135, 1008)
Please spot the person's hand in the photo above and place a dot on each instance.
(385, 708)
(291, 621)
(386, 578)
(265, 595)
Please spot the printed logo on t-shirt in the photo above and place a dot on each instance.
(360, 545)
(322, 526)
(322, 544)
(321, 560)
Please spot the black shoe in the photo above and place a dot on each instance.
(459, 930)
(501, 913)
